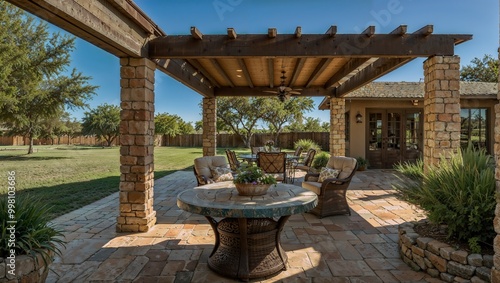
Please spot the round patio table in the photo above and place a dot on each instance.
(247, 238)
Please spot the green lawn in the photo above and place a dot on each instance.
(69, 177)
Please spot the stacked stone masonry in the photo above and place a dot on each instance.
(337, 126)
(209, 126)
(440, 260)
(441, 107)
(495, 272)
(28, 269)
(136, 145)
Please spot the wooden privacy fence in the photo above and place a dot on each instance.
(286, 140)
(80, 140)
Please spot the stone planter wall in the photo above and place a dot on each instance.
(440, 260)
(28, 269)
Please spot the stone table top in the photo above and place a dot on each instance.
(222, 200)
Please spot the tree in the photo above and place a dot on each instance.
(31, 87)
(241, 115)
(277, 114)
(103, 122)
(171, 125)
(481, 70)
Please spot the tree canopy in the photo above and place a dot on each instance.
(278, 114)
(103, 122)
(241, 115)
(32, 88)
(481, 70)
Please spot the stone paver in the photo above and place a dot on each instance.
(361, 247)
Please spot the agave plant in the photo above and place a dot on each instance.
(30, 228)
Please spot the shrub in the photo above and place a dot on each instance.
(306, 144)
(459, 192)
(320, 160)
(33, 234)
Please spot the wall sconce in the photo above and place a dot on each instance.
(414, 102)
(359, 118)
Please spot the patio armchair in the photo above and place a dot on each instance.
(307, 161)
(298, 151)
(211, 169)
(331, 186)
(273, 163)
(234, 164)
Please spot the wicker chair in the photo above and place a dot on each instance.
(203, 165)
(234, 164)
(332, 192)
(298, 151)
(273, 163)
(307, 162)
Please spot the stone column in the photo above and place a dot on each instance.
(495, 271)
(337, 126)
(136, 145)
(209, 126)
(441, 107)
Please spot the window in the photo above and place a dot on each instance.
(474, 127)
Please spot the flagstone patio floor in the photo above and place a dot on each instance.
(357, 248)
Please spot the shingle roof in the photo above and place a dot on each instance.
(416, 90)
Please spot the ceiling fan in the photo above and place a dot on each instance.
(283, 91)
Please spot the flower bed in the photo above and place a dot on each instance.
(440, 260)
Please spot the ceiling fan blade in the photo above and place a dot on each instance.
(294, 92)
(270, 91)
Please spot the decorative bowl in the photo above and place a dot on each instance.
(252, 189)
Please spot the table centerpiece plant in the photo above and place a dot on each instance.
(252, 181)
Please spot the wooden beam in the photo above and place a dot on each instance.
(270, 68)
(319, 69)
(182, 71)
(259, 91)
(196, 33)
(307, 46)
(425, 31)
(377, 69)
(296, 70)
(401, 30)
(332, 31)
(349, 67)
(298, 32)
(203, 71)
(119, 28)
(219, 69)
(272, 32)
(369, 31)
(231, 33)
(244, 68)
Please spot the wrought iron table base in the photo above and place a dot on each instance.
(247, 248)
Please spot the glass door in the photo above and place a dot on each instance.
(393, 136)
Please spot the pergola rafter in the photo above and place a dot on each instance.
(329, 64)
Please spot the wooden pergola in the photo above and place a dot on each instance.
(329, 64)
(230, 64)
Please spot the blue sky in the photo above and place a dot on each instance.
(477, 17)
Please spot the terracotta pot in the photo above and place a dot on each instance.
(251, 189)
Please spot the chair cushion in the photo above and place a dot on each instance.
(203, 164)
(344, 164)
(220, 174)
(327, 173)
(312, 186)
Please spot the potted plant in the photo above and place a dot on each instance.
(252, 181)
(28, 243)
(362, 163)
